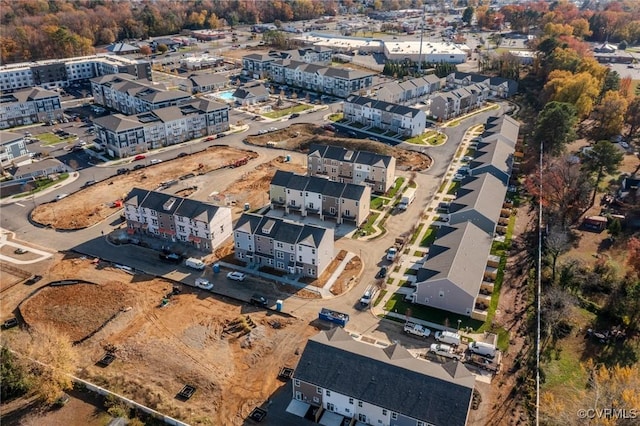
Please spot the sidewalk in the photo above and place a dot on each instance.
(73, 176)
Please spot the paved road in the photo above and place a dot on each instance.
(91, 241)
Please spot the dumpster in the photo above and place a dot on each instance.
(279, 305)
(216, 268)
(287, 158)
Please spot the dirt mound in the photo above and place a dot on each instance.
(298, 137)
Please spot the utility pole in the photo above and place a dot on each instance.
(424, 8)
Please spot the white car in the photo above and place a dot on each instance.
(624, 145)
(458, 177)
(155, 161)
(236, 276)
(61, 196)
(203, 283)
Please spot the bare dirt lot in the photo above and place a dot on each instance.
(229, 351)
(74, 212)
(298, 137)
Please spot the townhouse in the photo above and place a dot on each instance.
(346, 166)
(320, 197)
(124, 136)
(294, 248)
(13, 148)
(40, 169)
(413, 90)
(203, 83)
(345, 381)
(122, 94)
(334, 81)
(28, 106)
(174, 218)
(459, 272)
(54, 73)
(446, 105)
(397, 118)
(498, 87)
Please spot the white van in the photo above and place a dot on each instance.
(483, 349)
(194, 263)
(448, 337)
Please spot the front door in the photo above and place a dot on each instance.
(330, 407)
(362, 418)
(299, 395)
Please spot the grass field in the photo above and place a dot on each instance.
(287, 111)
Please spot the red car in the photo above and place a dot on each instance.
(139, 157)
(210, 138)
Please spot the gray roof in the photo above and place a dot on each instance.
(333, 189)
(383, 106)
(316, 184)
(36, 166)
(387, 377)
(483, 195)
(248, 223)
(312, 235)
(196, 210)
(136, 196)
(505, 126)
(158, 200)
(9, 137)
(30, 94)
(353, 191)
(342, 154)
(297, 182)
(208, 79)
(459, 254)
(117, 122)
(288, 232)
(123, 47)
(495, 157)
(258, 57)
(281, 178)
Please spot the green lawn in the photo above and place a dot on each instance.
(51, 139)
(453, 188)
(42, 184)
(368, 227)
(287, 111)
(429, 236)
(430, 137)
(443, 186)
(414, 237)
(418, 253)
(397, 304)
(377, 203)
(404, 283)
(411, 272)
(396, 186)
(380, 297)
(336, 116)
(389, 280)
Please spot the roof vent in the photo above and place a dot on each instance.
(266, 229)
(348, 155)
(170, 202)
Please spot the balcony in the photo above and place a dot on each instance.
(490, 273)
(486, 287)
(277, 202)
(327, 213)
(294, 207)
(312, 210)
(479, 314)
(483, 299)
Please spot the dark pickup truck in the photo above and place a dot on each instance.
(170, 257)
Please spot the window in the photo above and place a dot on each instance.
(328, 392)
(296, 382)
(384, 412)
(319, 390)
(351, 401)
(360, 404)
(394, 416)
(420, 423)
(313, 251)
(280, 255)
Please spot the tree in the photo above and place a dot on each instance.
(611, 81)
(603, 159)
(14, 383)
(162, 48)
(49, 359)
(555, 308)
(467, 15)
(633, 116)
(145, 50)
(556, 242)
(609, 115)
(633, 254)
(580, 89)
(555, 126)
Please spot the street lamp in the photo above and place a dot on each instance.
(459, 321)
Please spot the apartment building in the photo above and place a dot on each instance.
(13, 148)
(294, 248)
(334, 81)
(124, 136)
(204, 83)
(402, 120)
(353, 382)
(29, 106)
(54, 73)
(346, 166)
(320, 197)
(409, 91)
(174, 218)
(259, 65)
(121, 93)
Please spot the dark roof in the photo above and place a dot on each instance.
(158, 201)
(197, 210)
(288, 232)
(312, 235)
(248, 223)
(333, 189)
(339, 153)
(316, 184)
(117, 122)
(9, 137)
(297, 182)
(136, 196)
(383, 106)
(281, 178)
(172, 204)
(390, 378)
(353, 191)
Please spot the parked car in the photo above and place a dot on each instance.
(20, 251)
(221, 135)
(155, 161)
(139, 166)
(236, 276)
(294, 115)
(624, 145)
(209, 138)
(382, 273)
(61, 196)
(34, 279)
(89, 183)
(170, 257)
(182, 154)
(122, 171)
(458, 177)
(139, 157)
(259, 300)
(204, 284)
